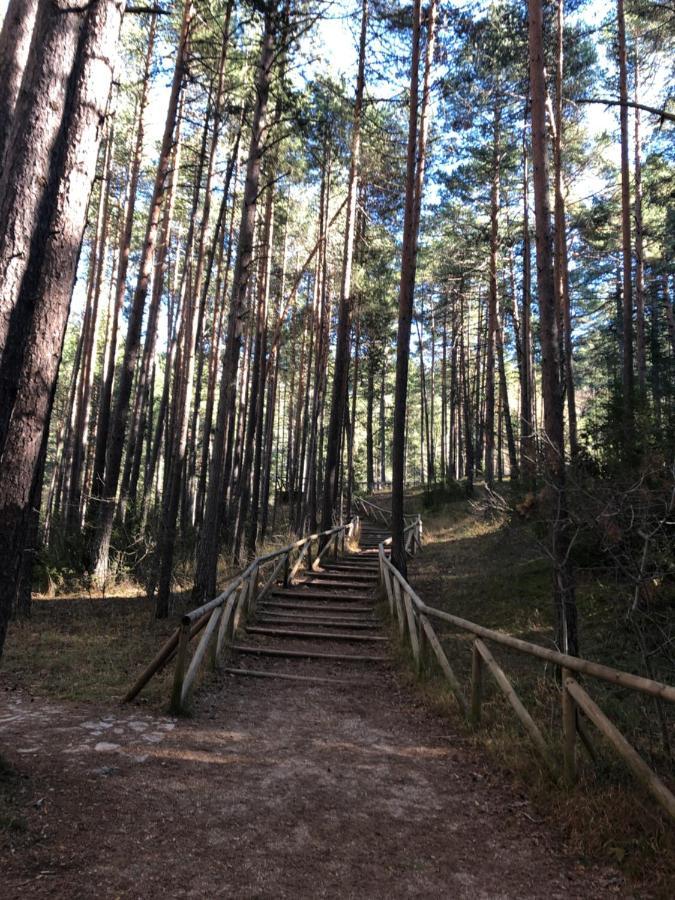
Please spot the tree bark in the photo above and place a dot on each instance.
(492, 301)
(626, 242)
(564, 600)
(207, 554)
(561, 267)
(640, 339)
(118, 430)
(15, 38)
(413, 202)
(527, 437)
(341, 372)
(69, 77)
(105, 399)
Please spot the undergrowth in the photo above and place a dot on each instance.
(492, 570)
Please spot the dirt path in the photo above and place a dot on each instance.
(270, 790)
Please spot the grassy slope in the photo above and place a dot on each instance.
(495, 573)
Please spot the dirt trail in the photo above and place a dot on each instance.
(270, 790)
(275, 788)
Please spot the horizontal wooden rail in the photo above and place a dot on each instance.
(219, 618)
(415, 626)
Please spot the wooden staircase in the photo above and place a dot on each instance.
(322, 627)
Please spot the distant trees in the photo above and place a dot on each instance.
(247, 274)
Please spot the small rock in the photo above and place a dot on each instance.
(105, 771)
(105, 747)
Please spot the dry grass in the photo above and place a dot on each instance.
(88, 649)
(90, 646)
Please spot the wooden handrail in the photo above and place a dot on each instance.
(222, 614)
(414, 617)
(574, 663)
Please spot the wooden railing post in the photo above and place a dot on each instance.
(400, 612)
(569, 721)
(253, 593)
(412, 630)
(476, 685)
(425, 649)
(181, 667)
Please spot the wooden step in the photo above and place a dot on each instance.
(322, 595)
(281, 619)
(273, 631)
(306, 654)
(321, 581)
(283, 676)
(324, 607)
(342, 575)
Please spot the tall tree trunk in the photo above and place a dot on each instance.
(341, 372)
(564, 599)
(49, 170)
(207, 554)
(527, 428)
(105, 399)
(383, 422)
(250, 506)
(640, 339)
(15, 37)
(466, 396)
(81, 429)
(504, 400)
(561, 267)
(370, 404)
(118, 429)
(492, 300)
(626, 243)
(413, 201)
(352, 416)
